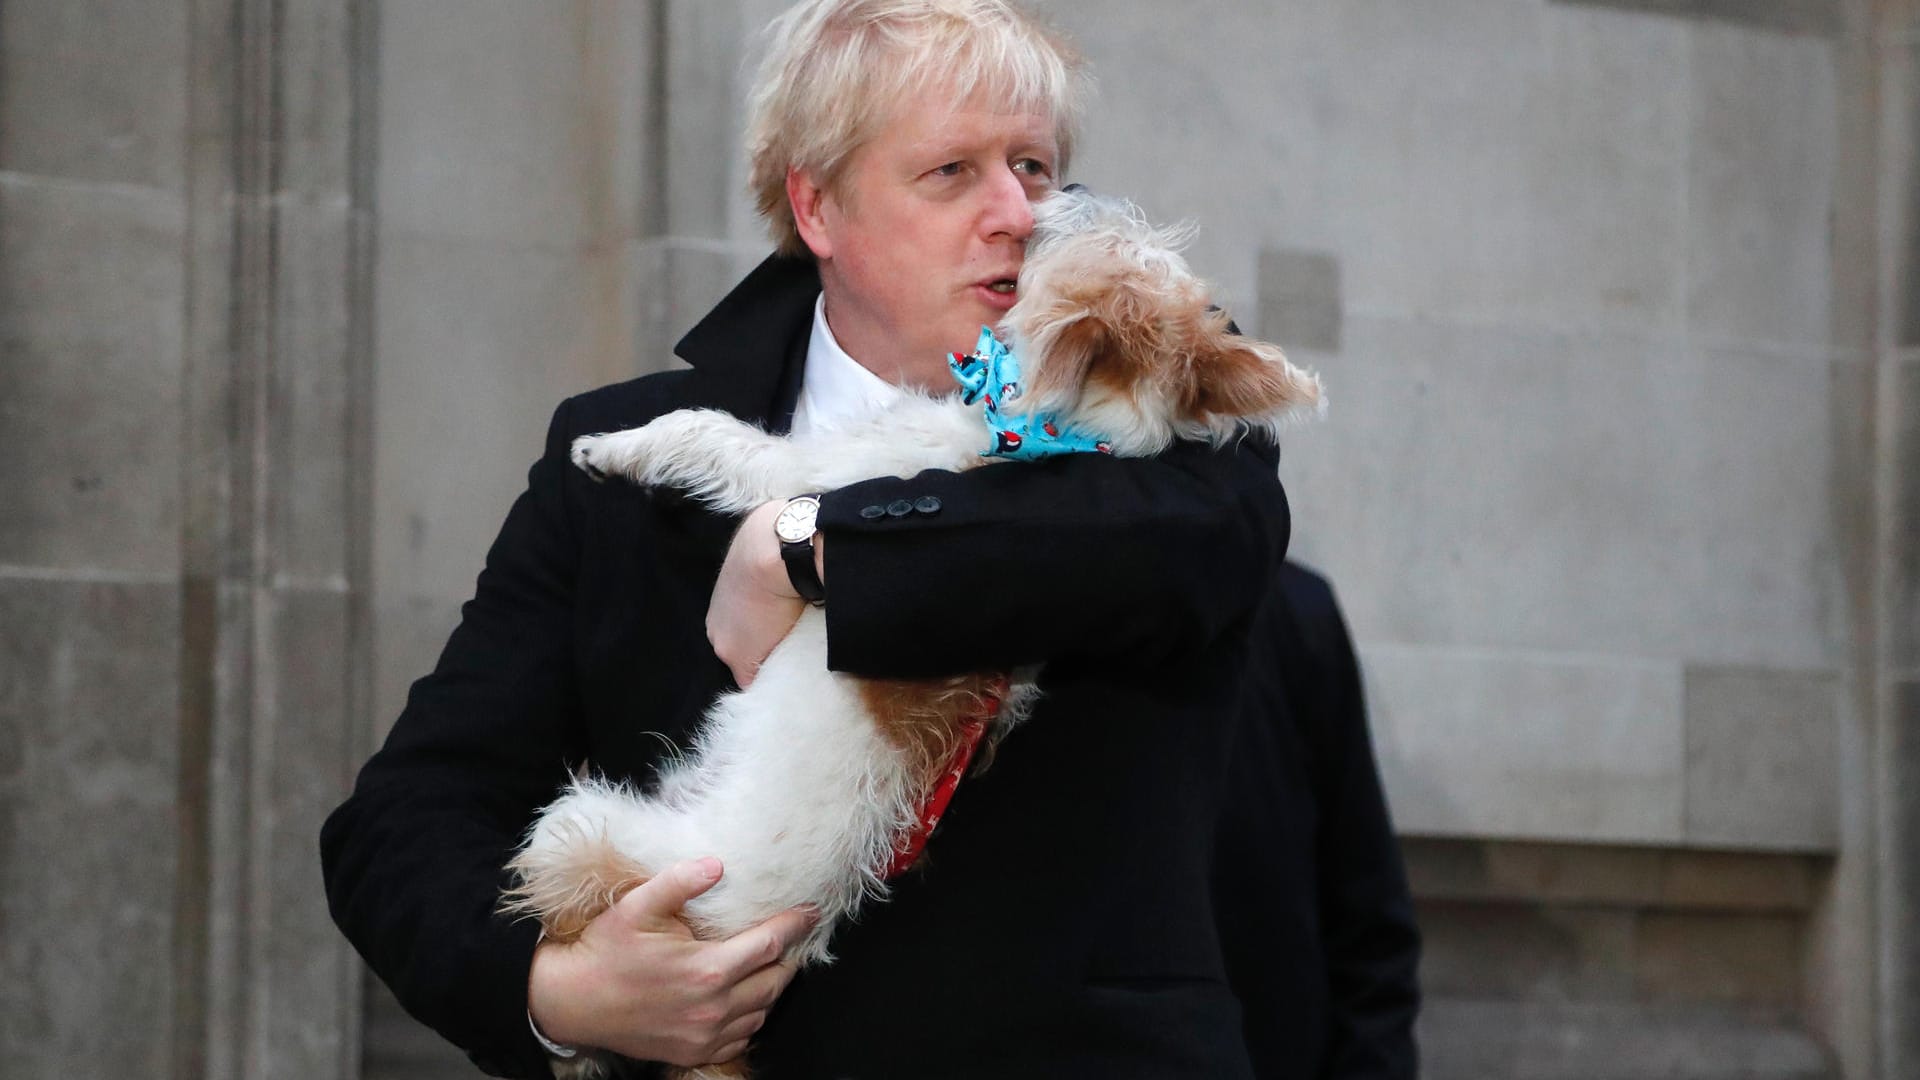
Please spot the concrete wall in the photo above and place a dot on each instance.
(1618, 307)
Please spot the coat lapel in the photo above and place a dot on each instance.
(747, 357)
(748, 353)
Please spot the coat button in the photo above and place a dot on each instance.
(927, 504)
(873, 512)
(899, 508)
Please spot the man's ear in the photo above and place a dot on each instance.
(809, 200)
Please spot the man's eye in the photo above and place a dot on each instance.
(1032, 167)
(951, 168)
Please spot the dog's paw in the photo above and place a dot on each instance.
(703, 452)
(642, 455)
(587, 453)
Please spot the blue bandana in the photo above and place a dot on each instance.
(992, 373)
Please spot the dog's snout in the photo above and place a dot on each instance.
(1076, 188)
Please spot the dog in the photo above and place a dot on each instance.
(809, 785)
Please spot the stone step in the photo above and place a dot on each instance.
(1515, 1040)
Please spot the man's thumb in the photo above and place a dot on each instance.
(663, 895)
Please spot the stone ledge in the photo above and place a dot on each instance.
(1818, 17)
(1612, 876)
(1505, 1040)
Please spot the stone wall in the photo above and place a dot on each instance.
(1606, 297)
(184, 255)
(1567, 273)
(92, 222)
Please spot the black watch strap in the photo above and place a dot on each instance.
(798, 553)
(801, 571)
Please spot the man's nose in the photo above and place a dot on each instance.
(1010, 208)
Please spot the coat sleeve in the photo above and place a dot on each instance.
(413, 860)
(1366, 912)
(1083, 557)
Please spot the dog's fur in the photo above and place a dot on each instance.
(805, 783)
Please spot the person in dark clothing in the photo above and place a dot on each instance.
(1072, 916)
(1307, 829)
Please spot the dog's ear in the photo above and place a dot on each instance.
(1250, 380)
(1077, 340)
(1106, 330)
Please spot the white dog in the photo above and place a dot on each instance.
(808, 784)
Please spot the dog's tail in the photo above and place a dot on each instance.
(567, 874)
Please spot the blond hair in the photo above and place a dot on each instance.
(835, 71)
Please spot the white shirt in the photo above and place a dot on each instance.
(834, 389)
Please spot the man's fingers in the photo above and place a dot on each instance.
(757, 946)
(758, 991)
(741, 1028)
(664, 895)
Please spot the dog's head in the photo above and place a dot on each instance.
(1116, 333)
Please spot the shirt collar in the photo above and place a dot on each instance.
(835, 390)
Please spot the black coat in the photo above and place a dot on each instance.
(1067, 921)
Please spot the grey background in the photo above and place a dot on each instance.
(1618, 309)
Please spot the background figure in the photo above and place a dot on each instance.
(1305, 832)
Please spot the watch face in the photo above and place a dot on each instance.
(795, 523)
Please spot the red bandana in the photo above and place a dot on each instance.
(915, 841)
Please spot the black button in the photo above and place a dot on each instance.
(927, 504)
(899, 508)
(873, 512)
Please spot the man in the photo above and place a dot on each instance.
(1065, 921)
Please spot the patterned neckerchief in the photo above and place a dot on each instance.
(992, 374)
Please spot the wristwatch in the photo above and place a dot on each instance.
(795, 528)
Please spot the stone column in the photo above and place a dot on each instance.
(1867, 991)
(183, 373)
(1895, 693)
(273, 562)
(517, 150)
(701, 233)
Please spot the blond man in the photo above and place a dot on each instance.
(1067, 923)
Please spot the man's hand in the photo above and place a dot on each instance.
(754, 605)
(638, 983)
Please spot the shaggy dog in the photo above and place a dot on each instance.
(809, 784)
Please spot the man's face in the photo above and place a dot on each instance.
(923, 247)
